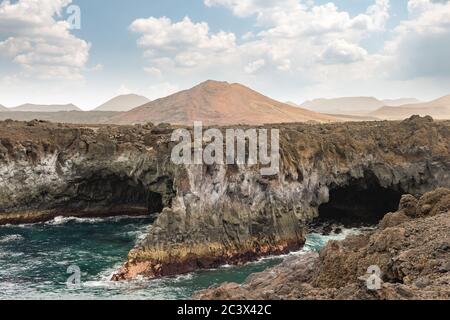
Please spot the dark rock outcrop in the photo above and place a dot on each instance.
(209, 215)
(410, 246)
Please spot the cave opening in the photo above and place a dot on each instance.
(362, 202)
(117, 195)
(155, 203)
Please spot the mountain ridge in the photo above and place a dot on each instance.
(219, 103)
(438, 108)
(123, 103)
(30, 107)
(400, 102)
(359, 105)
(344, 105)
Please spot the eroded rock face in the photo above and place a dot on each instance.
(209, 215)
(411, 247)
(49, 170)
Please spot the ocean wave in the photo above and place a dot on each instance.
(139, 234)
(314, 242)
(184, 277)
(23, 225)
(63, 220)
(11, 238)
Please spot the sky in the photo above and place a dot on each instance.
(290, 50)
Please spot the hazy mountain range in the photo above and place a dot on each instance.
(400, 102)
(438, 109)
(28, 107)
(123, 103)
(214, 102)
(78, 117)
(222, 103)
(353, 105)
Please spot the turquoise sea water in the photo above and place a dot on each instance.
(34, 260)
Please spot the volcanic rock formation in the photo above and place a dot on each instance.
(123, 103)
(410, 246)
(209, 215)
(219, 103)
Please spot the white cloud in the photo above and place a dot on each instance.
(155, 72)
(185, 43)
(421, 45)
(123, 90)
(98, 67)
(248, 36)
(340, 51)
(245, 8)
(39, 41)
(153, 91)
(299, 44)
(161, 90)
(254, 66)
(296, 36)
(291, 18)
(12, 46)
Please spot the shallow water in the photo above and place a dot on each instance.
(34, 260)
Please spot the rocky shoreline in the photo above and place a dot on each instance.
(410, 246)
(204, 256)
(211, 215)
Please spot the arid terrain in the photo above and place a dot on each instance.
(28, 107)
(220, 103)
(410, 246)
(224, 149)
(438, 109)
(123, 103)
(361, 106)
(69, 117)
(223, 103)
(206, 216)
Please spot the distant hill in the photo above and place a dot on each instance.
(123, 103)
(348, 117)
(343, 117)
(353, 105)
(400, 102)
(438, 109)
(3, 108)
(76, 117)
(346, 105)
(220, 103)
(45, 108)
(292, 104)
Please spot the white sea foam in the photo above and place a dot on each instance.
(183, 277)
(63, 220)
(140, 233)
(311, 245)
(24, 225)
(11, 238)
